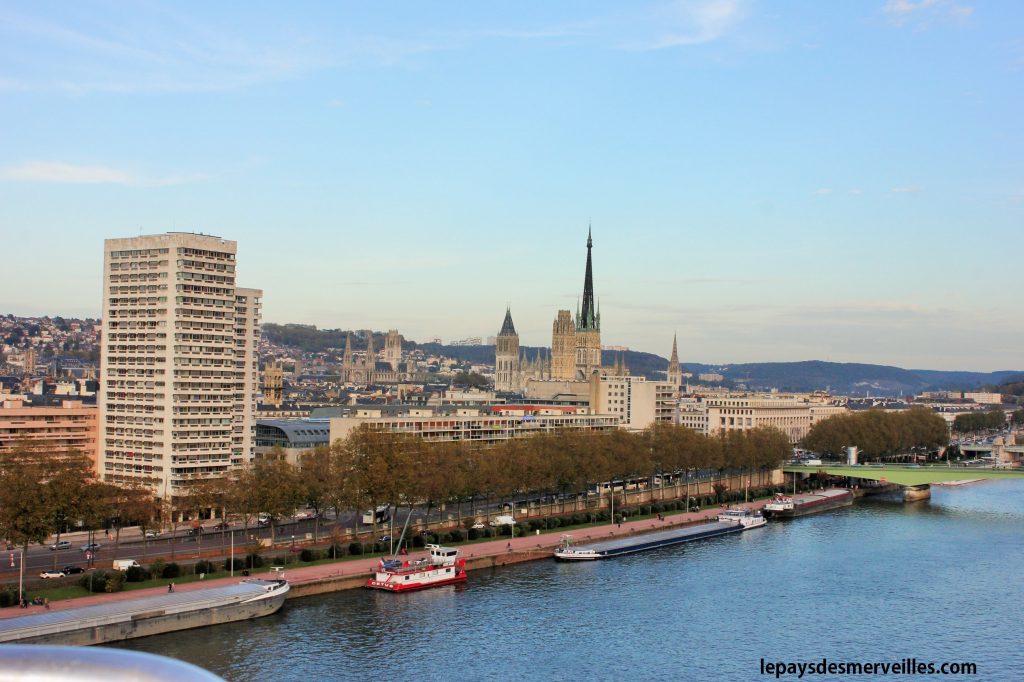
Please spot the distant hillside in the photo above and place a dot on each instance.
(848, 378)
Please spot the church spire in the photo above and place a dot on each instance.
(673, 363)
(507, 328)
(588, 319)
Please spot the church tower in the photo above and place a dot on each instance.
(393, 350)
(506, 357)
(347, 364)
(675, 374)
(563, 347)
(371, 361)
(588, 324)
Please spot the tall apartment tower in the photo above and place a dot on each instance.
(506, 356)
(179, 362)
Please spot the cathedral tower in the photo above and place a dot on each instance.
(563, 347)
(675, 374)
(588, 324)
(506, 357)
(393, 350)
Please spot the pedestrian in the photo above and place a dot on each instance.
(170, 587)
(509, 546)
(46, 603)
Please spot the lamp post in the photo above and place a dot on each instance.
(21, 571)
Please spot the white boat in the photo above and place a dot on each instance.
(443, 566)
(746, 518)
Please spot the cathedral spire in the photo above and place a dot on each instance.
(507, 328)
(673, 362)
(588, 319)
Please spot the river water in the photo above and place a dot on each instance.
(881, 581)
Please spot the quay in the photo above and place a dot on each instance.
(346, 575)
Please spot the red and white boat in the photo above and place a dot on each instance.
(443, 566)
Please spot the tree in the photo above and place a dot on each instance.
(66, 492)
(315, 481)
(275, 488)
(22, 518)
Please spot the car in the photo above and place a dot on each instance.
(51, 574)
(90, 547)
(63, 544)
(198, 530)
(223, 525)
(385, 538)
(72, 570)
(263, 521)
(150, 534)
(478, 526)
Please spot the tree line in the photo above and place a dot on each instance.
(878, 433)
(41, 495)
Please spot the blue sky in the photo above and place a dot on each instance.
(770, 180)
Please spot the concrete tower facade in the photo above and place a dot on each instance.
(393, 350)
(179, 365)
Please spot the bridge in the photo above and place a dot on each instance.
(904, 474)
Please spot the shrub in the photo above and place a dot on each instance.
(157, 567)
(253, 561)
(355, 548)
(336, 551)
(473, 534)
(551, 522)
(96, 579)
(8, 598)
(488, 532)
(418, 541)
(204, 567)
(234, 564)
(522, 529)
(171, 571)
(505, 529)
(456, 536)
(137, 574)
(115, 582)
(536, 524)
(308, 555)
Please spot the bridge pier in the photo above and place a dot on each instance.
(917, 493)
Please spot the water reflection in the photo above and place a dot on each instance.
(881, 580)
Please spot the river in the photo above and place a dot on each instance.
(880, 581)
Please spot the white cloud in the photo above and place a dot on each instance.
(909, 189)
(823, 190)
(70, 174)
(923, 13)
(693, 22)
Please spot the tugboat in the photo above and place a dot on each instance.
(443, 566)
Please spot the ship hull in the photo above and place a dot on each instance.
(642, 543)
(811, 504)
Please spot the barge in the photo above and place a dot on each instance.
(730, 521)
(131, 618)
(791, 506)
(443, 566)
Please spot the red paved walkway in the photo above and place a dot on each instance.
(298, 576)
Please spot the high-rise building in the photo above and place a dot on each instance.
(179, 365)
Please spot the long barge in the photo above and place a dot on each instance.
(791, 506)
(732, 521)
(147, 616)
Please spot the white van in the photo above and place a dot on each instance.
(504, 520)
(125, 564)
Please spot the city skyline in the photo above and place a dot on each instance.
(772, 182)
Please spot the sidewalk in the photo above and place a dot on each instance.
(544, 543)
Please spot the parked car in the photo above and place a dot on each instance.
(63, 544)
(51, 574)
(72, 570)
(198, 530)
(478, 526)
(150, 534)
(90, 547)
(223, 525)
(263, 521)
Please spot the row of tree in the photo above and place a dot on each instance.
(45, 493)
(878, 433)
(973, 422)
(40, 496)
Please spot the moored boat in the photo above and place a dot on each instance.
(443, 566)
(729, 521)
(145, 616)
(789, 506)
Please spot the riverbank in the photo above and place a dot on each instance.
(346, 575)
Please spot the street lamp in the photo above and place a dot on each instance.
(21, 570)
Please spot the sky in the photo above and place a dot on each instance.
(771, 181)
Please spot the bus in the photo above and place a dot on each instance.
(382, 515)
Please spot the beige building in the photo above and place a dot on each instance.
(273, 385)
(69, 427)
(179, 366)
(478, 425)
(793, 416)
(637, 402)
